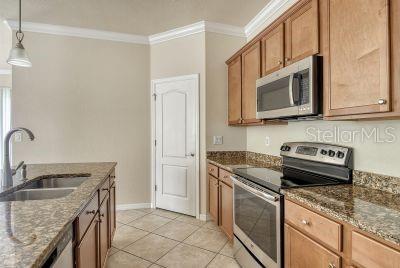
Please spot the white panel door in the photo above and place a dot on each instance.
(175, 129)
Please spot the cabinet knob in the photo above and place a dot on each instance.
(287, 59)
(280, 62)
(102, 215)
(331, 265)
(305, 222)
(91, 212)
(382, 101)
(112, 176)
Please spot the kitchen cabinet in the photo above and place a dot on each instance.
(235, 92)
(273, 52)
(331, 243)
(95, 227)
(213, 198)
(226, 209)
(302, 33)
(358, 57)
(104, 236)
(301, 251)
(220, 193)
(251, 62)
(86, 253)
(293, 39)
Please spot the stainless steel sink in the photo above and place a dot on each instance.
(37, 194)
(65, 182)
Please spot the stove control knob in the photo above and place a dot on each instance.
(287, 148)
(331, 153)
(323, 152)
(340, 154)
(283, 148)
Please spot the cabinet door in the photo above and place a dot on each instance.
(213, 197)
(235, 92)
(226, 209)
(250, 73)
(104, 228)
(302, 34)
(358, 76)
(87, 253)
(301, 251)
(112, 213)
(272, 50)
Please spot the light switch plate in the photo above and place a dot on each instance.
(218, 140)
(266, 141)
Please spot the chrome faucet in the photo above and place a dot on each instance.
(8, 172)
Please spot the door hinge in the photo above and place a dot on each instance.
(155, 142)
(154, 96)
(155, 188)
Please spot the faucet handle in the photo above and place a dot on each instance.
(18, 167)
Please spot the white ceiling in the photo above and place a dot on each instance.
(143, 17)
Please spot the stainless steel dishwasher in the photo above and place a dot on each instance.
(63, 255)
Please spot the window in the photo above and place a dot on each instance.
(5, 117)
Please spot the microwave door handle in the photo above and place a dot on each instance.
(291, 99)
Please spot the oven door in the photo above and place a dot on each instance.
(257, 221)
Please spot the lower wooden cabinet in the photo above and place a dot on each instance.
(95, 228)
(301, 251)
(86, 252)
(213, 189)
(221, 199)
(226, 209)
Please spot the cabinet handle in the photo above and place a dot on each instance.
(331, 265)
(226, 176)
(287, 59)
(102, 215)
(305, 222)
(280, 62)
(112, 176)
(382, 101)
(104, 189)
(91, 212)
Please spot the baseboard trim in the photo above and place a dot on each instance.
(204, 217)
(133, 206)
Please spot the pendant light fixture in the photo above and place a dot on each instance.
(18, 56)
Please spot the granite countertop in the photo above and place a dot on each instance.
(363, 205)
(371, 210)
(30, 230)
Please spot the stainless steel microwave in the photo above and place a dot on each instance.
(290, 92)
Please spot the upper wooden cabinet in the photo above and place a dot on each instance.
(272, 50)
(302, 33)
(250, 73)
(358, 77)
(235, 91)
(294, 39)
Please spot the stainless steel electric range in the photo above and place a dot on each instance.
(258, 195)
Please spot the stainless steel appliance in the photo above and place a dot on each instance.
(258, 195)
(293, 91)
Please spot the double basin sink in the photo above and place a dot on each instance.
(46, 188)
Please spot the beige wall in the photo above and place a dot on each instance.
(86, 100)
(219, 48)
(378, 155)
(5, 46)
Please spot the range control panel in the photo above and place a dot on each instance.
(320, 152)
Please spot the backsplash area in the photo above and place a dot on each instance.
(372, 180)
(375, 143)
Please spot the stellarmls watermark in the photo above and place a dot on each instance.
(340, 135)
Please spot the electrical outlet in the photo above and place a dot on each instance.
(217, 140)
(266, 141)
(18, 137)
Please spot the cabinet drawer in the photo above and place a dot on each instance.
(213, 170)
(86, 216)
(324, 229)
(372, 254)
(103, 191)
(225, 176)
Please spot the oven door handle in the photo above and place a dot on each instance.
(254, 191)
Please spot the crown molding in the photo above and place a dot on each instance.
(268, 14)
(5, 71)
(79, 32)
(198, 27)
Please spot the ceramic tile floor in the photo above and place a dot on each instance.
(160, 238)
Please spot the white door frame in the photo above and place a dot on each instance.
(154, 82)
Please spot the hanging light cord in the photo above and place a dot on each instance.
(19, 34)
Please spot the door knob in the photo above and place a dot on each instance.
(381, 101)
(191, 154)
